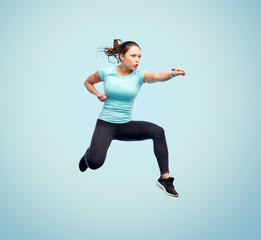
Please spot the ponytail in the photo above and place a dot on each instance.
(114, 51)
(118, 48)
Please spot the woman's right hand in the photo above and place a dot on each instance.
(102, 97)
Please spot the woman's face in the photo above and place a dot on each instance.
(131, 58)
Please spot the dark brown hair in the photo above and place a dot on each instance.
(118, 48)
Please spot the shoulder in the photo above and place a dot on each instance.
(140, 75)
(105, 71)
(140, 72)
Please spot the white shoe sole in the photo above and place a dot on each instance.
(163, 188)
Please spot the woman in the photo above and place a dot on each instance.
(121, 85)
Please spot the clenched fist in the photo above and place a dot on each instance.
(102, 97)
(179, 71)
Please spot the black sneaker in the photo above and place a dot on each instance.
(82, 164)
(167, 186)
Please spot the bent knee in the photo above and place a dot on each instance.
(95, 163)
(159, 132)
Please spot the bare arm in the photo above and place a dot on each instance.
(163, 76)
(89, 84)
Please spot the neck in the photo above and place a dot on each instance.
(122, 70)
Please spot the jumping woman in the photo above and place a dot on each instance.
(121, 86)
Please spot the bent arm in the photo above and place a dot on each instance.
(92, 79)
(163, 76)
(89, 84)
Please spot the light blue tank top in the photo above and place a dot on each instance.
(121, 92)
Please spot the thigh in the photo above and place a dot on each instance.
(102, 136)
(137, 130)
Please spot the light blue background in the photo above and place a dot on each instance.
(211, 118)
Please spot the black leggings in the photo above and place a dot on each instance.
(105, 132)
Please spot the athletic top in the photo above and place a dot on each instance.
(121, 92)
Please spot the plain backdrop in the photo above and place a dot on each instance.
(211, 119)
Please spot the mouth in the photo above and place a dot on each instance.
(136, 65)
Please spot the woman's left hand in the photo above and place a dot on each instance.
(179, 71)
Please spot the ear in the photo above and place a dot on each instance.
(121, 57)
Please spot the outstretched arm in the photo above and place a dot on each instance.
(163, 76)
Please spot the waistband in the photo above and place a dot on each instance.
(110, 124)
